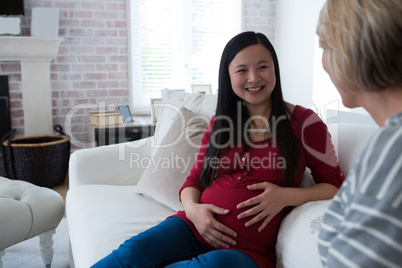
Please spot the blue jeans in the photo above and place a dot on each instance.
(172, 243)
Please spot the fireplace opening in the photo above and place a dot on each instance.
(5, 117)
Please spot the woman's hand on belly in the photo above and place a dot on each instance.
(214, 232)
(264, 206)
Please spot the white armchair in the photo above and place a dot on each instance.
(26, 211)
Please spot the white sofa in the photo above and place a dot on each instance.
(117, 192)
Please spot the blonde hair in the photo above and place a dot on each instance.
(363, 42)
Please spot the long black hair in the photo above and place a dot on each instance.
(229, 108)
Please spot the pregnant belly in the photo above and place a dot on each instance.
(228, 194)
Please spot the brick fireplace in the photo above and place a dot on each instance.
(34, 55)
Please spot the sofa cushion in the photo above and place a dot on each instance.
(297, 238)
(172, 101)
(101, 217)
(169, 166)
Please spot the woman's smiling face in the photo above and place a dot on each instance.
(252, 75)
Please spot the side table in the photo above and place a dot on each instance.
(140, 128)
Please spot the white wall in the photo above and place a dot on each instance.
(303, 79)
(294, 42)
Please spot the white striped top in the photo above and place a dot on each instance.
(363, 225)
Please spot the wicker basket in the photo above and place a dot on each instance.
(41, 160)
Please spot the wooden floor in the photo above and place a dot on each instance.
(62, 190)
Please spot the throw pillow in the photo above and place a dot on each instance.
(172, 101)
(298, 236)
(167, 169)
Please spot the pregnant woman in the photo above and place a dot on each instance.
(247, 174)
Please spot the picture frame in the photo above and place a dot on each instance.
(155, 106)
(126, 113)
(201, 88)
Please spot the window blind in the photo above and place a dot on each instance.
(176, 43)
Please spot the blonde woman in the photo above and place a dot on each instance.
(362, 42)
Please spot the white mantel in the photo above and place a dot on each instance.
(34, 55)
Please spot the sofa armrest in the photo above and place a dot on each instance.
(117, 164)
